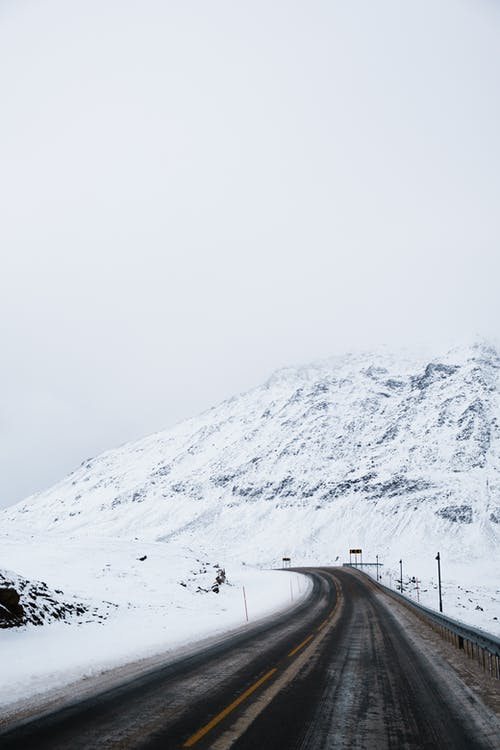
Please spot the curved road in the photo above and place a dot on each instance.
(338, 672)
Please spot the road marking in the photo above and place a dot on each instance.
(229, 736)
(301, 645)
(211, 724)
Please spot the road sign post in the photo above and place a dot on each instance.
(355, 552)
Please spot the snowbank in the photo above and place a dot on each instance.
(164, 602)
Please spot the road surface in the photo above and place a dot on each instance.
(337, 672)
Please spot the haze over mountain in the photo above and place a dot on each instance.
(197, 194)
(372, 450)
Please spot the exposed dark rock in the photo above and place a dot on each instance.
(9, 599)
(495, 515)
(223, 479)
(220, 578)
(398, 485)
(389, 434)
(24, 602)
(179, 487)
(456, 513)
(434, 372)
(394, 384)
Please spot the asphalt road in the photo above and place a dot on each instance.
(338, 672)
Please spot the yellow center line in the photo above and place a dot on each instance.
(211, 724)
(301, 645)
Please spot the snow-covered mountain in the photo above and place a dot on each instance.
(399, 456)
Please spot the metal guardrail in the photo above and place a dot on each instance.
(476, 643)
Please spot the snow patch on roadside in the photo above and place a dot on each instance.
(164, 601)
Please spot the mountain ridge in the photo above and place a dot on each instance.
(397, 441)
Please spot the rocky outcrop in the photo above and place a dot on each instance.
(220, 578)
(10, 610)
(24, 602)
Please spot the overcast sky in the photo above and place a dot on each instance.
(193, 194)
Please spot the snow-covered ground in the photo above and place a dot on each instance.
(470, 594)
(161, 606)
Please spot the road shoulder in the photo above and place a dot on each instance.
(466, 680)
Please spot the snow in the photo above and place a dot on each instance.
(399, 456)
(155, 613)
(470, 593)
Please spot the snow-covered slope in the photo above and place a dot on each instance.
(395, 456)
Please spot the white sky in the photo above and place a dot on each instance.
(195, 193)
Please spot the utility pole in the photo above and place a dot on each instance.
(438, 558)
(401, 574)
(418, 592)
(377, 568)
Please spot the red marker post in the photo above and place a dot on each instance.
(245, 602)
